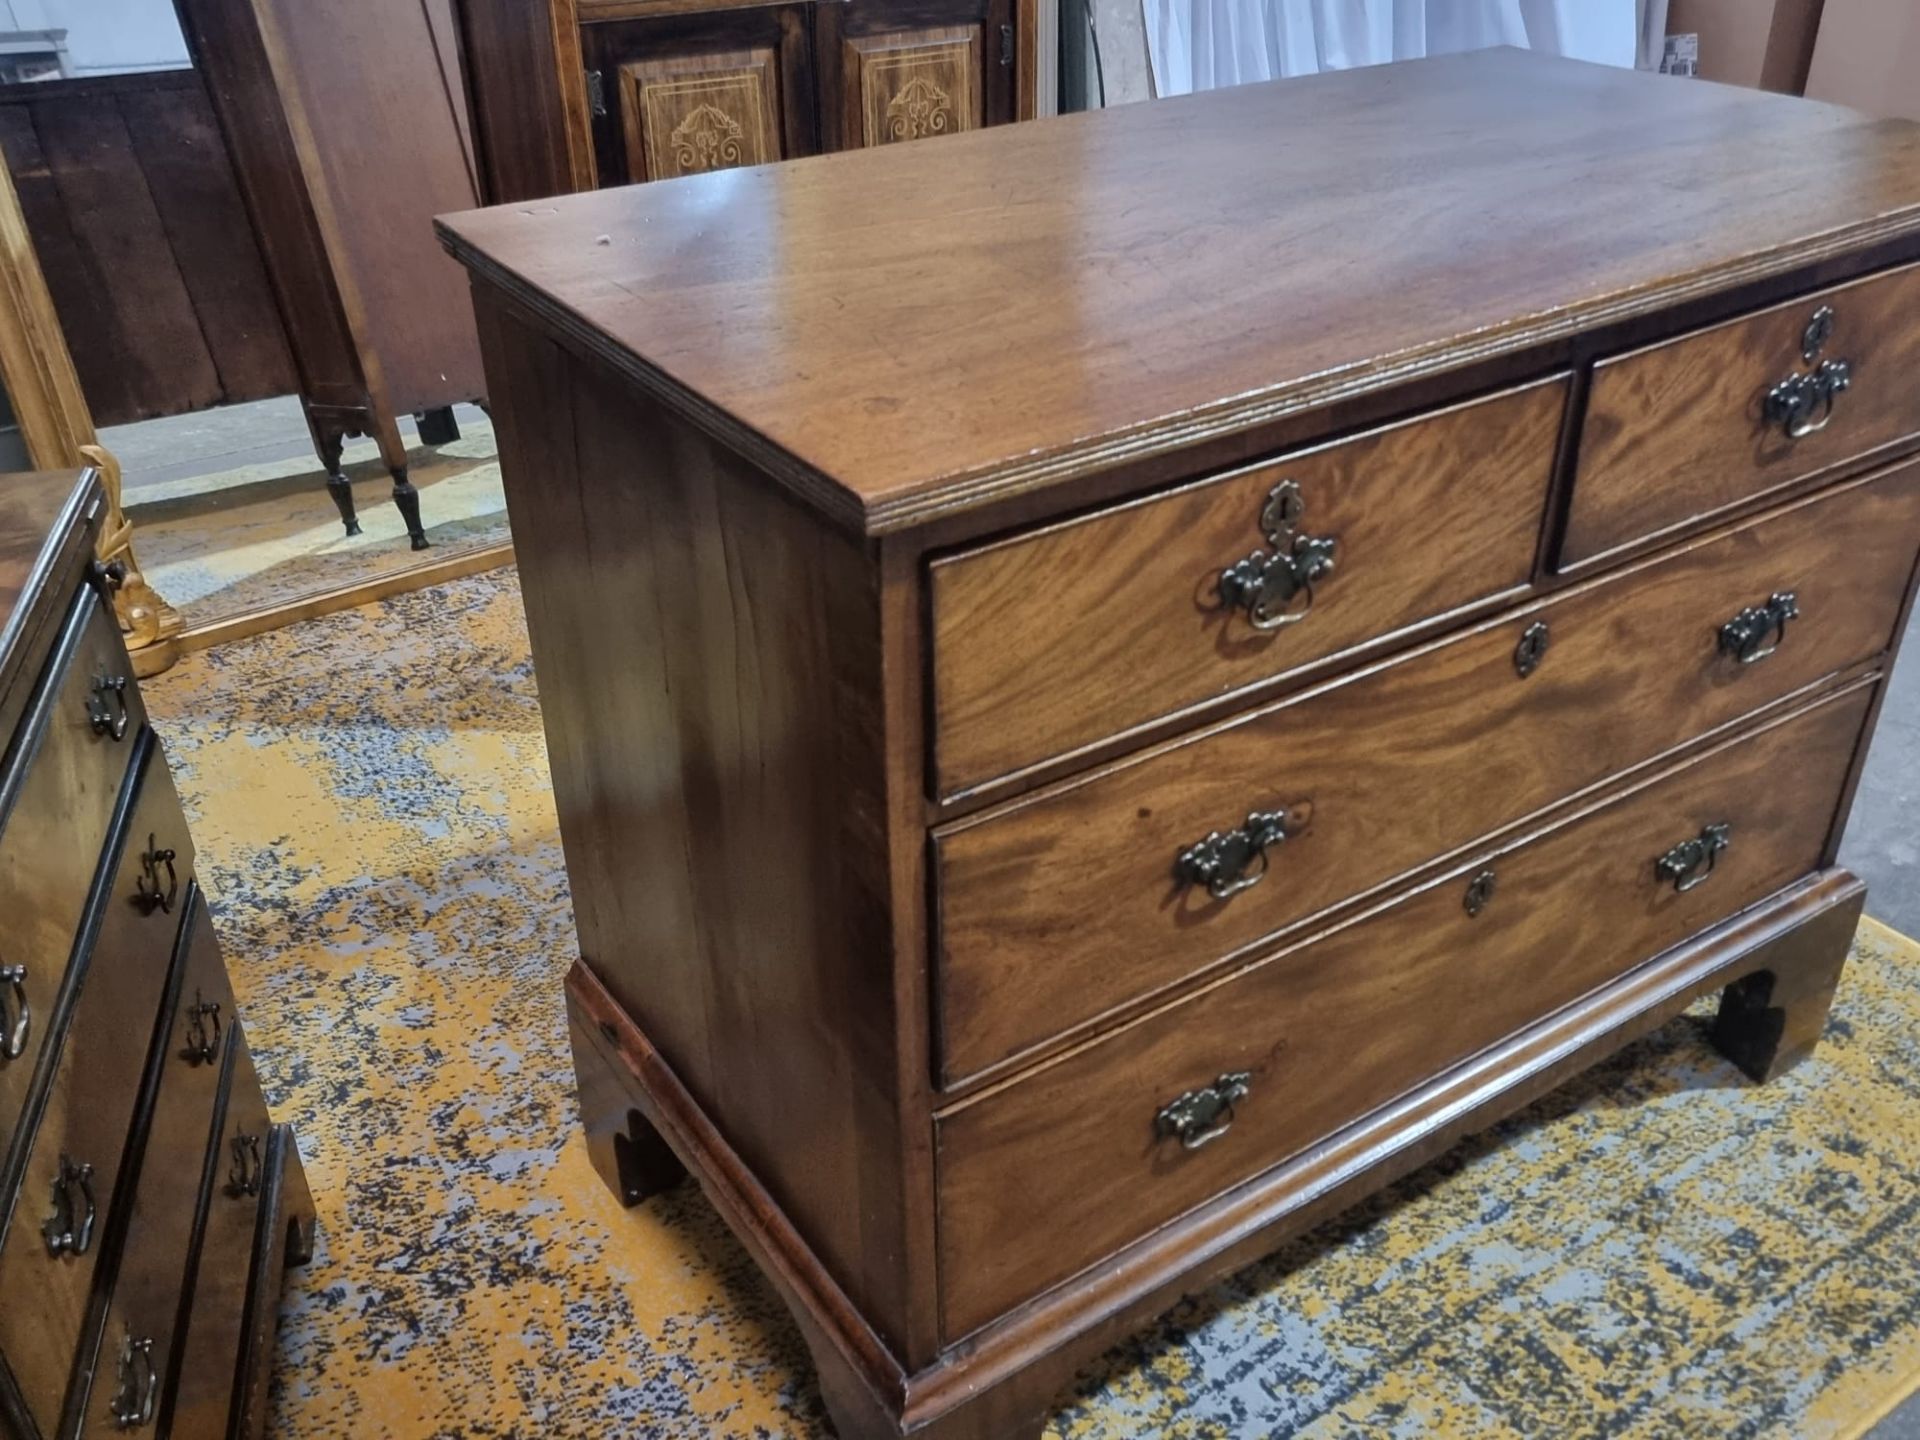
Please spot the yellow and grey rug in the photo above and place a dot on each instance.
(1659, 1249)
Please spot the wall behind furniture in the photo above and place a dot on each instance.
(1867, 56)
(132, 204)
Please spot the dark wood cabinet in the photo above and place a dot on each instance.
(614, 92)
(344, 153)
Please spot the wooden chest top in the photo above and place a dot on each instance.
(896, 333)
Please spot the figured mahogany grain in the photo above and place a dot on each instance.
(1065, 636)
(88, 1108)
(163, 1224)
(1064, 1165)
(1099, 286)
(65, 780)
(1677, 431)
(1058, 907)
(711, 661)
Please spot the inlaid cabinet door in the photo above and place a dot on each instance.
(686, 94)
(892, 72)
(687, 113)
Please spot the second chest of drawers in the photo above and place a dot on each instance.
(147, 1200)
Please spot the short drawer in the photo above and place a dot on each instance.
(1070, 1163)
(1056, 908)
(217, 1342)
(1051, 641)
(69, 1184)
(1681, 430)
(135, 1350)
(56, 801)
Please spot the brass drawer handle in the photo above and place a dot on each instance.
(147, 892)
(1746, 636)
(244, 1178)
(1480, 891)
(203, 1031)
(1802, 404)
(108, 719)
(1277, 589)
(16, 1015)
(139, 1386)
(1531, 648)
(1691, 862)
(69, 1230)
(1200, 1117)
(1229, 861)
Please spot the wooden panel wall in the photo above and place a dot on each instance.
(156, 276)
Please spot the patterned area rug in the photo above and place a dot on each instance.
(1659, 1249)
(262, 535)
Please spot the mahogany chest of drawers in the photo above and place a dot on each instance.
(1105, 708)
(148, 1203)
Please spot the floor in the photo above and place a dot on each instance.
(233, 523)
(157, 454)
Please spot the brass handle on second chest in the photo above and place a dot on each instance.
(1202, 1116)
(1229, 861)
(1691, 862)
(1759, 630)
(138, 1387)
(1802, 404)
(203, 1032)
(148, 893)
(244, 1178)
(16, 1015)
(1276, 588)
(69, 1230)
(107, 706)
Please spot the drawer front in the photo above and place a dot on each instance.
(1056, 908)
(211, 1350)
(1692, 426)
(135, 1350)
(69, 1184)
(1050, 642)
(53, 822)
(1063, 1167)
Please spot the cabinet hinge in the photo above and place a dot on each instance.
(1006, 44)
(596, 93)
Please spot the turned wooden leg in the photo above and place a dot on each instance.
(328, 444)
(625, 1149)
(407, 500)
(1771, 1020)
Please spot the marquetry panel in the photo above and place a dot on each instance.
(685, 114)
(915, 83)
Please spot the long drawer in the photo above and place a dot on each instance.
(1058, 907)
(62, 780)
(1044, 1176)
(69, 1184)
(1085, 630)
(1688, 427)
(123, 1388)
(215, 1346)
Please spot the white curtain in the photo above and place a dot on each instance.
(1208, 44)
